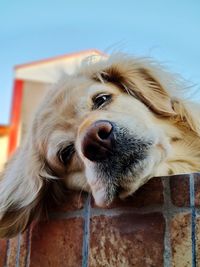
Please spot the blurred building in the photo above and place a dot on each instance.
(31, 83)
(4, 138)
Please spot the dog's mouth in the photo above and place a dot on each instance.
(113, 158)
(116, 174)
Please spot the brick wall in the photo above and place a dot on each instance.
(158, 226)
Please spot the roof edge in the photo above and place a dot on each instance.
(56, 58)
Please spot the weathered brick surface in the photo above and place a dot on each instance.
(15, 251)
(127, 240)
(24, 249)
(3, 250)
(12, 252)
(180, 190)
(129, 233)
(181, 240)
(149, 194)
(197, 189)
(57, 243)
(198, 241)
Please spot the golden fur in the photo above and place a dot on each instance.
(146, 100)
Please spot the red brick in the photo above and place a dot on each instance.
(180, 190)
(24, 249)
(17, 252)
(198, 241)
(149, 194)
(13, 247)
(3, 250)
(57, 243)
(181, 241)
(127, 240)
(197, 189)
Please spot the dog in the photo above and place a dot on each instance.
(107, 129)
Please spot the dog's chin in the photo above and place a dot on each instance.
(101, 198)
(105, 188)
(108, 183)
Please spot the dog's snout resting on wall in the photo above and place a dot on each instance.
(114, 152)
(106, 129)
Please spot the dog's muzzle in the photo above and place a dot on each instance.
(115, 154)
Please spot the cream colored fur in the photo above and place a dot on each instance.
(146, 98)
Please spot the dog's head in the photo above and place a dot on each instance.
(107, 129)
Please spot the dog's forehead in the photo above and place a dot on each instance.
(102, 87)
(80, 95)
(89, 89)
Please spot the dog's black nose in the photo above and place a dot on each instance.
(98, 141)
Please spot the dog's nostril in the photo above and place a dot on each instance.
(104, 129)
(103, 134)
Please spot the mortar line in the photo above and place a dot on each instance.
(18, 250)
(167, 257)
(193, 219)
(153, 208)
(28, 245)
(86, 232)
(114, 211)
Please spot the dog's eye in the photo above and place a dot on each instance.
(65, 154)
(101, 100)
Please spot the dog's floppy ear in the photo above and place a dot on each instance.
(148, 87)
(20, 191)
(188, 114)
(141, 78)
(24, 190)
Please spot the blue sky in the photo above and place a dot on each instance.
(30, 30)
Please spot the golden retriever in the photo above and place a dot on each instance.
(108, 129)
